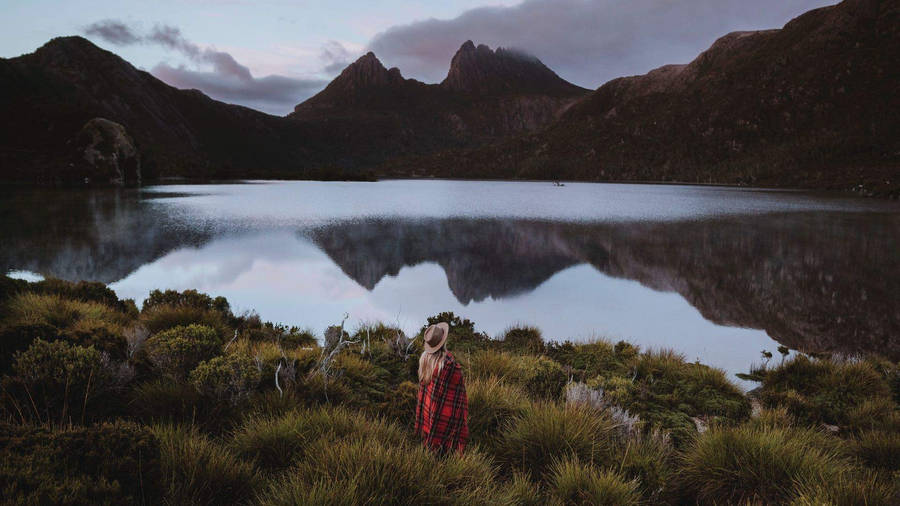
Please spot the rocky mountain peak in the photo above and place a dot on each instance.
(365, 72)
(481, 70)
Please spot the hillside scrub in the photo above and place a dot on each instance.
(203, 406)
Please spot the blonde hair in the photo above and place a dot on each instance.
(427, 364)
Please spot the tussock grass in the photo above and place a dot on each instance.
(196, 470)
(878, 448)
(539, 376)
(493, 404)
(824, 390)
(57, 311)
(574, 482)
(846, 490)
(548, 432)
(367, 471)
(275, 442)
(750, 464)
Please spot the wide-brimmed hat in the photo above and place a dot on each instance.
(436, 336)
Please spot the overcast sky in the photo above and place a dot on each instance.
(273, 54)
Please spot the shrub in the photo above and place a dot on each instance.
(591, 358)
(577, 483)
(549, 432)
(106, 337)
(749, 464)
(230, 377)
(196, 470)
(463, 335)
(187, 298)
(492, 405)
(168, 401)
(177, 351)
(524, 339)
(667, 392)
(55, 381)
(114, 463)
(85, 291)
(164, 317)
(18, 337)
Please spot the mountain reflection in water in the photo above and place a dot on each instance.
(814, 281)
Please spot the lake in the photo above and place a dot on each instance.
(719, 274)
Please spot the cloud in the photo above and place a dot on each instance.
(335, 56)
(112, 31)
(585, 41)
(272, 94)
(228, 81)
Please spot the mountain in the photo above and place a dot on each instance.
(376, 114)
(812, 104)
(48, 96)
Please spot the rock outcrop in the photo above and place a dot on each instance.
(105, 153)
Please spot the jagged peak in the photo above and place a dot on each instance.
(480, 69)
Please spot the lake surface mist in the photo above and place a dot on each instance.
(718, 274)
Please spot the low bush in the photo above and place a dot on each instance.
(104, 336)
(463, 336)
(165, 317)
(523, 339)
(667, 392)
(116, 463)
(166, 401)
(574, 482)
(187, 298)
(750, 464)
(229, 377)
(177, 351)
(56, 382)
(196, 470)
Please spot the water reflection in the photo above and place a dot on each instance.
(815, 280)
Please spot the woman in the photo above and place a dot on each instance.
(442, 410)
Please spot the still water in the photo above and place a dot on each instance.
(718, 274)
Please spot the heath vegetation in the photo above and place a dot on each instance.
(184, 402)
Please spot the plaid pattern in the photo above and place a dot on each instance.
(442, 410)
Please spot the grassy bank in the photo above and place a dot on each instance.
(184, 402)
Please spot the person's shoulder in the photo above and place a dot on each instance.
(450, 360)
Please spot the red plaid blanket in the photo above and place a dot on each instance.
(442, 410)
